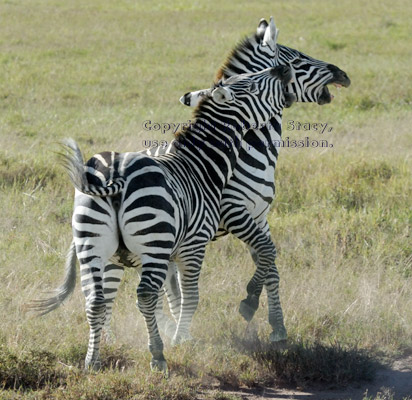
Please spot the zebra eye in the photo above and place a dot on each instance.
(296, 61)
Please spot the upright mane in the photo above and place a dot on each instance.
(244, 44)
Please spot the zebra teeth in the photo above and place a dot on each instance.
(338, 85)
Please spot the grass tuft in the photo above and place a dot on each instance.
(32, 370)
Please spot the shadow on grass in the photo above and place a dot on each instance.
(260, 363)
(304, 364)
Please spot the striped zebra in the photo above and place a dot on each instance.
(163, 208)
(250, 191)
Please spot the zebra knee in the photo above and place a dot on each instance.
(267, 257)
(147, 297)
(96, 311)
(95, 303)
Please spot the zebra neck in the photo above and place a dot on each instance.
(212, 143)
(267, 140)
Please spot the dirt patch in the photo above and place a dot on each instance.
(392, 383)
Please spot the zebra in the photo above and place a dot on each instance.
(164, 207)
(243, 207)
(251, 190)
(310, 80)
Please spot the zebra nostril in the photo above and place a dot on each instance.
(185, 99)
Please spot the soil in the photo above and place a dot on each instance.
(391, 383)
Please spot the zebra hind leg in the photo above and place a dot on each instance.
(152, 278)
(95, 245)
(91, 280)
(112, 278)
(189, 270)
(171, 287)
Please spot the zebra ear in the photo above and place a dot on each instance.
(221, 95)
(271, 35)
(261, 28)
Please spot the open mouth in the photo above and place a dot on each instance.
(339, 79)
(326, 96)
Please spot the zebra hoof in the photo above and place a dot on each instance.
(279, 345)
(92, 366)
(159, 366)
(248, 308)
(278, 336)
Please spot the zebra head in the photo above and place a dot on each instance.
(310, 76)
(250, 99)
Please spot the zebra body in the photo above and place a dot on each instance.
(164, 208)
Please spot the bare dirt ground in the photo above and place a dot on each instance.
(391, 383)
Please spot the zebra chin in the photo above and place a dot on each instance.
(325, 96)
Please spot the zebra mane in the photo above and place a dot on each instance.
(244, 44)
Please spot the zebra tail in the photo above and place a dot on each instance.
(64, 291)
(73, 162)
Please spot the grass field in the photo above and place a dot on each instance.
(95, 71)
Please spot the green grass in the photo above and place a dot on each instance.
(95, 71)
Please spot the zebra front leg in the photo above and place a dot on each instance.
(164, 322)
(238, 221)
(241, 224)
(279, 333)
(189, 271)
(264, 255)
(112, 278)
